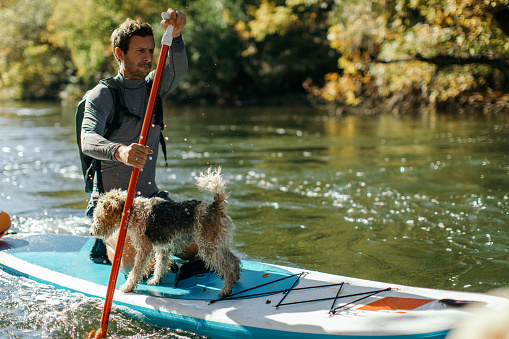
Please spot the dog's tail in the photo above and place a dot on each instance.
(213, 181)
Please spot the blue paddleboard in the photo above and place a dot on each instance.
(269, 300)
(69, 255)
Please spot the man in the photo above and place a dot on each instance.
(133, 47)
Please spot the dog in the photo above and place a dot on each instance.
(159, 228)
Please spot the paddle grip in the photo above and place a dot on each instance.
(168, 34)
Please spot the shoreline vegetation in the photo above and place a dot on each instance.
(342, 56)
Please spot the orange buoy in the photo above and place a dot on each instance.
(5, 222)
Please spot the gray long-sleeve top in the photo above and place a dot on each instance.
(99, 106)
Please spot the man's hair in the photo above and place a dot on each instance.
(122, 35)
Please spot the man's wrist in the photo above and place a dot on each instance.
(116, 153)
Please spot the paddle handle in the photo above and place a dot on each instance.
(102, 333)
(168, 34)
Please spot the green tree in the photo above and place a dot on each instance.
(346, 54)
(31, 67)
(416, 52)
(215, 71)
(285, 45)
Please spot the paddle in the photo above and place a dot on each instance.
(166, 43)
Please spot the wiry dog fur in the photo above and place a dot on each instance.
(162, 227)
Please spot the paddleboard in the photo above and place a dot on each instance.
(270, 300)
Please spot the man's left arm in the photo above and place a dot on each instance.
(176, 69)
(177, 66)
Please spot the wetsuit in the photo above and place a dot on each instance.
(99, 106)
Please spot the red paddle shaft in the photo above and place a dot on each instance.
(132, 185)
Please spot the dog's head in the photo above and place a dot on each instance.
(108, 213)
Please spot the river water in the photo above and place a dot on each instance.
(418, 199)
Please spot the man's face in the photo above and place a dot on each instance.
(137, 61)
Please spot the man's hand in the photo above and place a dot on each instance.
(177, 20)
(134, 155)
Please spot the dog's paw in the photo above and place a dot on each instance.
(127, 287)
(154, 281)
(225, 292)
